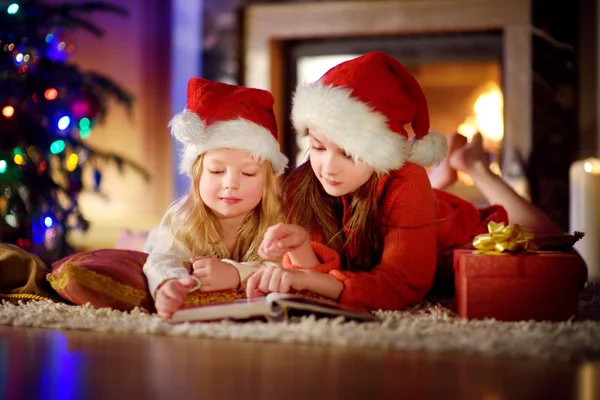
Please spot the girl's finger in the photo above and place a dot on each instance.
(167, 305)
(263, 286)
(187, 282)
(287, 282)
(204, 280)
(201, 273)
(262, 251)
(275, 280)
(252, 283)
(255, 293)
(269, 238)
(290, 242)
(270, 253)
(174, 292)
(198, 258)
(200, 263)
(286, 244)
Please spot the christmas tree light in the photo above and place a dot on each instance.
(48, 108)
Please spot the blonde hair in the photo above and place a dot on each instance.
(199, 228)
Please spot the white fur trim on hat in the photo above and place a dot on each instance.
(239, 134)
(354, 126)
(429, 150)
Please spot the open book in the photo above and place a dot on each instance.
(275, 307)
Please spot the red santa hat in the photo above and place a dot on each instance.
(223, 116)
(363, 105)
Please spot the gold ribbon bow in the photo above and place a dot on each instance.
(501, 238)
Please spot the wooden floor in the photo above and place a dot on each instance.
(48, 364)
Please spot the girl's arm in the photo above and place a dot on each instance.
(407, 267)
(322, 284)
(290, 239)
(282, 280)
(167, 257)
(327, 259)
(246, 269)
(304, 256)
(403, 277)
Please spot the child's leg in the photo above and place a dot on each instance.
(444, 175)
(472, 160)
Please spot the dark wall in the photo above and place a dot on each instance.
(556, 134)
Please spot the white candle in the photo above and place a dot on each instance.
(585, 211)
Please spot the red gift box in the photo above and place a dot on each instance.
(542, 286)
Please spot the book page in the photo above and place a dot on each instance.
(236, 310)
(297, 304)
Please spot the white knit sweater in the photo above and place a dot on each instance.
(168, 258)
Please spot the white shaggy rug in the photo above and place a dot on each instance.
(427, 327)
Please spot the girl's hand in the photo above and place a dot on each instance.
(280, 239)
(171, 295)
(215, 274)
(274, 279)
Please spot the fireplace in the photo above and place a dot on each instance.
(463, 53)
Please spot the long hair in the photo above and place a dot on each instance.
(309, 206)
(198, 228)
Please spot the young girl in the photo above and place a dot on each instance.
(209, 239)
(365, 227)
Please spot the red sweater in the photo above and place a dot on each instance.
(409, 213)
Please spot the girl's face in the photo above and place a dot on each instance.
(338, 173)
(232, 183)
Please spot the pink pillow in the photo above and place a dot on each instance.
(104, 278)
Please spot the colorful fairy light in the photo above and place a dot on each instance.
(8, 111)
(57, 146)
(23, 243)
(18, 156)
(49, 222)
(85, 133)
(32, 153)
(72, 162)
(84, 123)
(51, 94)
(64, 122)
(46, 113)
(84, 128)
(13, 8)
(11, 220)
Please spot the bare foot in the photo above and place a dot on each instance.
(445, 175)
(470, 158)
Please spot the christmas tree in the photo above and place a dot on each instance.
(48, 108)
